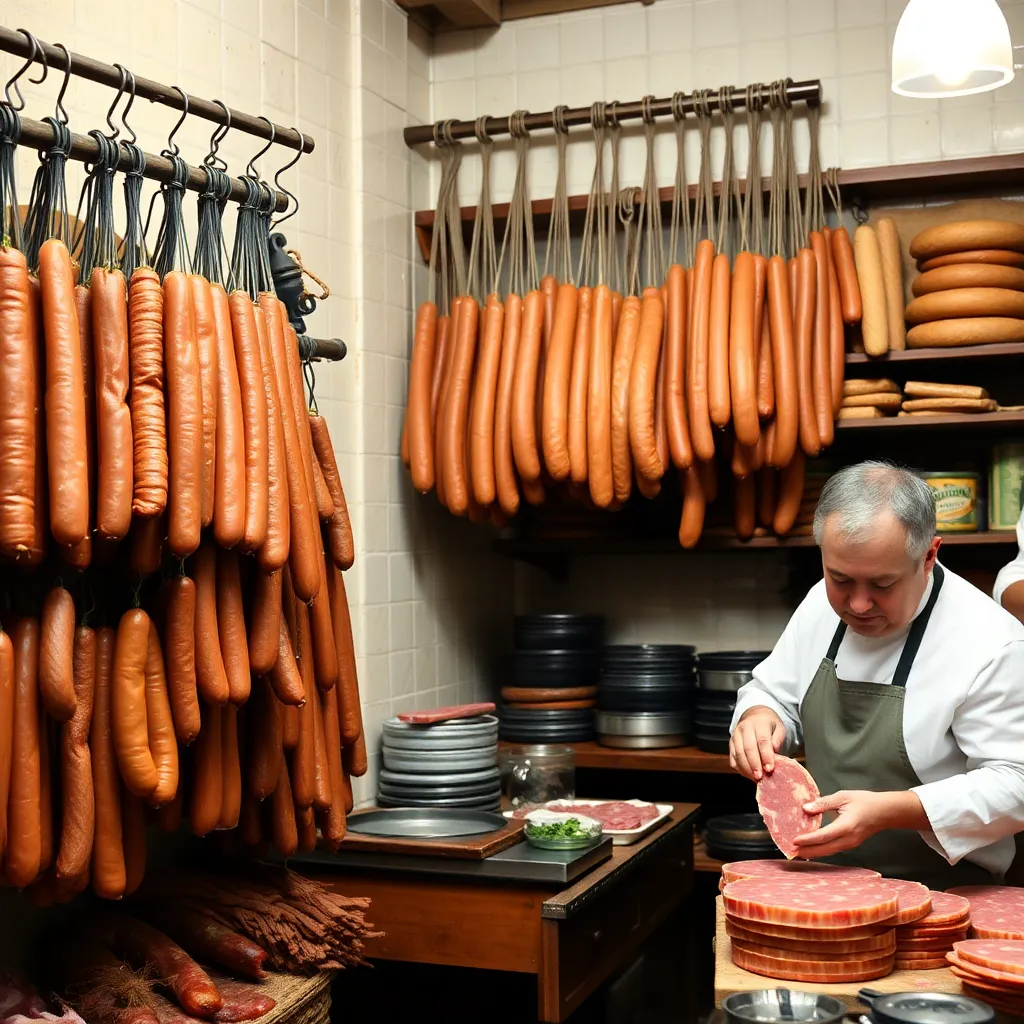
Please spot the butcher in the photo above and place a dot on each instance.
(1009, 588)
(904, 686)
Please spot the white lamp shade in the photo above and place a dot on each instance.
(951, 48)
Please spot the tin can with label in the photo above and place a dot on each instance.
(1006, 485)
(956, 501)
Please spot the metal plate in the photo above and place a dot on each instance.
(643, 742)
(440, 779)
(432, 823)
(470, 803)
(640, 723)
(437, 761)
(491, 790)
(459, 734)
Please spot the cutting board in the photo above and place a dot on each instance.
(459, 847)
(729, 978)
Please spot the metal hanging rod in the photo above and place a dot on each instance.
(84, 149)
(808, 92)
(15, 41)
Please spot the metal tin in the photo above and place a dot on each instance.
(722, 681)
(1005, 485)
(640, 723)
(924, 1008)
(490, 790)
(480, 803)
(644, 742)
(775, 1005)
(428, 762)
(956, 500)
(457, 734)
(439, 779)
(425, 824)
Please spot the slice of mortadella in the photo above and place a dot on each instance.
(781, 795)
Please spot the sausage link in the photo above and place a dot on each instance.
(303, 763)
(160, 723)
(437, 373)
(762, 332)
(184, 416)
(506, 487)
(180, 656)
(7, 685)
(348, 684)
(642, 386)
(80, 555)
(743, 343)
(65, 399)
(229, 481)
(745, 502)
(846, 273)
(481, 413)
(718, 342)
(36, 550)
(289, 725)
(146, 543)
(146, 398)
(333, 823)
(456, 413)
(209, 371)
(211, 678)
(325, 654)
(283, 832)
(284, 675)
(131, 739)
(697, 352)
(22, 856)
(45, 796)
(324, 503)
(599, 402)
(442, 398)
(354, 757)
(579, 384)
(691, 522)
(254, 417)
(660, 420)
(625, 349)
(231, 766)
(170, 816)
(822, 359)
(265, 622)
(207, 772)
(20, 387)
(339, 532)
(874, 315)
(524, 390)
(419, 425)
(263, 748)
(108, 868)
(791, 491)
(836, 337)
(558, 369)
(322, 775)
(767, 488)
(787, 407)
(548, 286)
(56, 655)
(675, 369)
(133, 839)
(806, 293)
(234, 647)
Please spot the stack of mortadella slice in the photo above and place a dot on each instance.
(992, 970)
(923, 944)
(997, 911)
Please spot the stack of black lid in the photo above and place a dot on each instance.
(645, 697)
(720, 674)
(551, 685)
(738, 837)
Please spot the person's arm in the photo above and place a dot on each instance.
(859, 815)
(1012, 599)
(1009, 588)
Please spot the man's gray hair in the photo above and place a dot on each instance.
(859, 494)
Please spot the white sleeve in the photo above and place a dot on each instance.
(986, 803)
(776, 684)
(1012, 572)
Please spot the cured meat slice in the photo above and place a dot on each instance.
(735, 870)
(827, 971)
(997, 911)
(946, 909)
(993, 953)
(812, 951)
(1010, 1006)
(810, 903)
(915, 900)
(781, 795)
(920, 965)
(1007, 989)
(885, 942)
(918, 954)
(938, 932)
(987, 973)
(615, 815)
(811, 933)
(937, 944)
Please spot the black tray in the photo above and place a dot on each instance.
(731, 661)
(712, 744)
(558, 632)
(553, 668)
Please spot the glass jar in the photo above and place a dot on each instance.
(533, 775)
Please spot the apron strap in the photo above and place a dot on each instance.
(913, 644)
(837, 639)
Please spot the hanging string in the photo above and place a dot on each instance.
(680, 227)
(171, 251)
(618, 273)
(454, 215)
(48, 202)
(519, 226)
(730, 195)
(95, 242)
(752, 219)
(594, 225)
(628, 203)
(814, 210)
(482, 256)
(831, 180)
(10, 133)
(437, 282)
(134, 252)
(557, 254)
(792, 180)
(245, 256)
(655, 256)
(705, 208)
(776, 201)
(211, 250)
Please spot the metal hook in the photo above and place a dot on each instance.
(60, 114)
(282, 188)
(172, 146)
(310, 374)
(114, 130)
(211, 159)
(35, 52)
(130, 76)
(250, 167)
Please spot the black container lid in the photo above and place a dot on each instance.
(924, 1008)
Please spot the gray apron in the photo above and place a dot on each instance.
(853, 739)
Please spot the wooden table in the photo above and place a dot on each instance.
(572, 940)
(729, 978)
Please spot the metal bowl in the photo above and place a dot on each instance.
(782, 1006)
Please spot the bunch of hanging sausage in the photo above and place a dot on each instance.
(580, 387)
(157, 433)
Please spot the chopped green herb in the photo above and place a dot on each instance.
(558, 830)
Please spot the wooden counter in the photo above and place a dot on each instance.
(729, 978)
(573, 940)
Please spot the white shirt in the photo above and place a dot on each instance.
(963, 714)
(1013, 571)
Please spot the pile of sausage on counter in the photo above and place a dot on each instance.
(813, 922)
(181, 643)
(582, 389)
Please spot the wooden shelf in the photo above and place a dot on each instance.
(931, 355)
(970, 421)
(676, 759)
(702, 862)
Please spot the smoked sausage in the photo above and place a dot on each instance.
(642, 386)
(787, 408)
(846, 274)
(339, 533)
(207, 773)
(743, 344)
(206, 346)
(265, 622)
(108, 868)
(506, 487)
(160, 724)
(599, 409)
(675, 369)
(822, 355)
(718, 342)
(211, 678)
(481, 414)
(806, 298)
(697, 352)
(625, 349)
(791, 490)
(56, 647)
(273, 553)
(180, 658)
(558, 369)
(229, 502)
(579, 383)
(691, 522)
(456, 413)
(836, 337)
(524, 392)
(284, 674)
(6, 729)
(234, 646)
(418, 412)
(131, 738)
(349, 709)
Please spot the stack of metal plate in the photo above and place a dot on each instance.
(448, 764)
(720, 674)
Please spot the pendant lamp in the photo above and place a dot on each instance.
(951, 48)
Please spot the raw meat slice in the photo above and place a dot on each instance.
(828, 972)
(615, 815)
(809, 944)
(997, 911)
(942, 944)
(946, 909)
(987, 973)
(825, 904)
(1013, 991)
(737, 869)
(810, 933)
(999, 956)
(920, 965)
(781, 795)
(915, 900)
(818, 953)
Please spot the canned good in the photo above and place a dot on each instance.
(1006, 485)
(956, 501)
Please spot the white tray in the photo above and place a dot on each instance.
(621, 837)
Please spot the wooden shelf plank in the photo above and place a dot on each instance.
(931, 355)
(676, 759)
(971, 421)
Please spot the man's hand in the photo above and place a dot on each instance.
(758, 737)
(860, 814)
